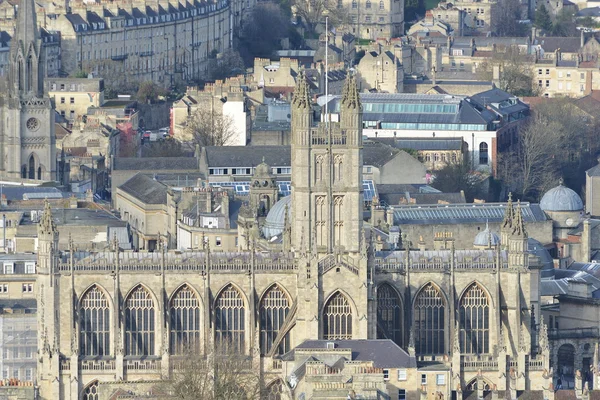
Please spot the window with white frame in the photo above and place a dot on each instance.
(423, 379)
(401, 374)
(30, 268)
(401, 394)
(9, 268)
(440, 379)
(386, 374)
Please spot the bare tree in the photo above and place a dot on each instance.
(222, 374)
(509, 12)
(555, 143)
(211, 128)
(312, 12)
(516, 72)
(459, 175)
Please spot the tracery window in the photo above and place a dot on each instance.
(474, 321)
(274, 390)
(337, 318)
(319, 168)
(338, 166)
(274, 308)
(321, 221)
(94, 323)
(230, 319)
(338, 220)
(471, 386)
(429, 321)
(139, 323)
(184, 316)
(91, 391)
(389, 314)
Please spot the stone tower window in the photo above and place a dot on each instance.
(337, 318)
(91, 391)
(94, 323)
(389, 314)
(230, 319)
(321, 220)
(139, 323)
(430, 308)
(338, 213)
(274, 308)
(184, 321)
(474, 321)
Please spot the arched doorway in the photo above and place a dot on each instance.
(566, 365)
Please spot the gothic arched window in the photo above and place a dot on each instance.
(139, 323)
(91, 391)
(31, 173)
(429, 321)
(389, 314)
(274, 390)
(337, 318)
(274, 308)
(338, 220)
(184, 313)
(94, 323)
(230, 319)
(474, 321)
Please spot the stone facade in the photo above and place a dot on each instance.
(73, 96)
(331, 283)
(27, 138)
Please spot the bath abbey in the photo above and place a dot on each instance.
(329, 306)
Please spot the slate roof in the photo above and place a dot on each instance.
(145, 189)
(247, 156)
(565, 44)
(378, 154)
(424, 143)
(594, 171)
(156, 163)
(462, 213)
(383, 352)
(17, 192)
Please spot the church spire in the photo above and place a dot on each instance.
(509, 214)
(518, 229)
(26, 76)
(27, 30)
(350, 96)
(301, 92)
(47, 222)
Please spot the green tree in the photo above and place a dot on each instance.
(542, 18)
(229, 63)
(564, 24)
(149, 92)
(256, 41)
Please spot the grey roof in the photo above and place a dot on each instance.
(486, 237)
(85, 216)
(565, 44)
(383, 352)
(594, 171)
(556, 281)
(247, 156)
(19, 192)
(156, 163)
(122, 235)
(378, 154)
(462, 213)
(428, 143)
(30, 304)
(145, 189)
(561, 198)
(275, 221)
(589, 12)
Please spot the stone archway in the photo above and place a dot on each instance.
(566, 365)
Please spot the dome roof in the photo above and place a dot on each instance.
(275, 220)
(486, 237)
(561, 198)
